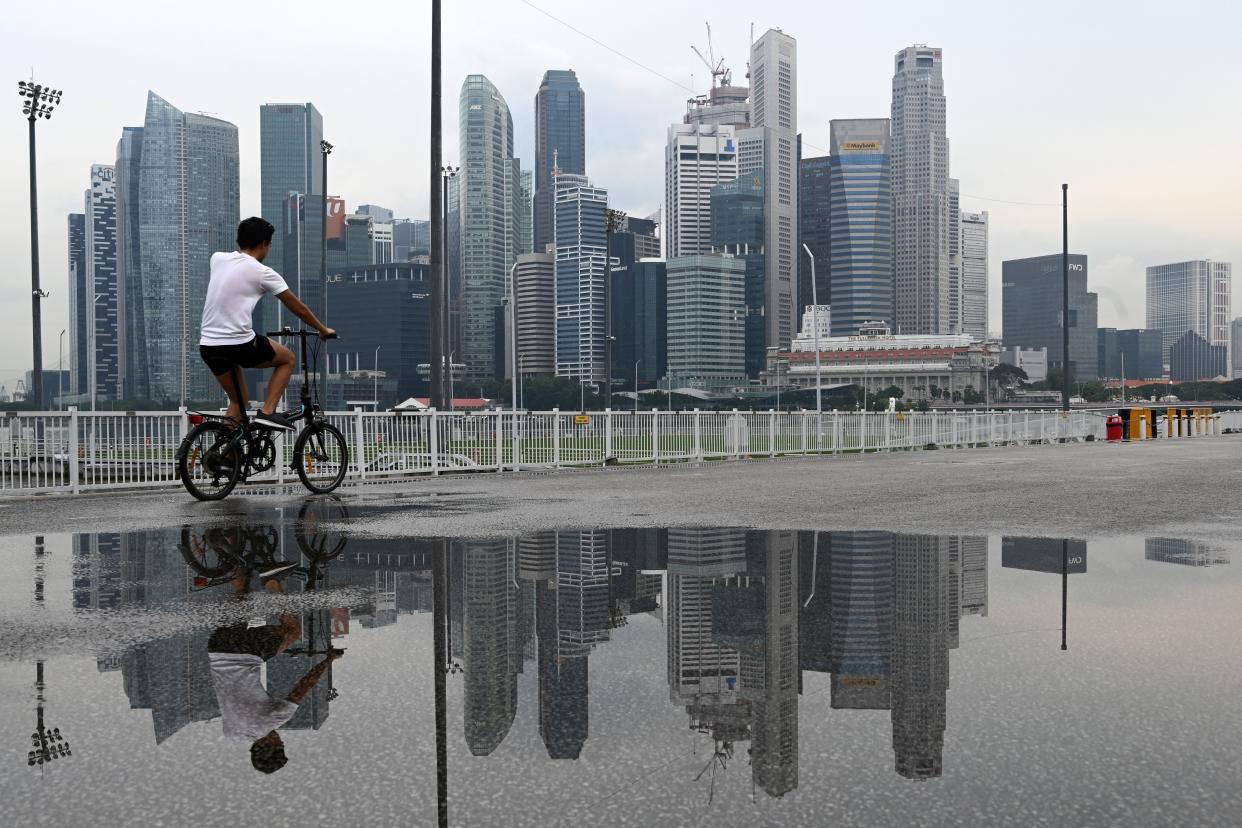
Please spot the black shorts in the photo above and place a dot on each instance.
(241, 638)
(221, 358)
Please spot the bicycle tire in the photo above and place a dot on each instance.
(323, 444)
(197, 464)
(203, 556)
(317, 543)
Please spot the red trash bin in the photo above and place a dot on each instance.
(1114, 429)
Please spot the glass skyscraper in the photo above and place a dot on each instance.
(738, 228)
(78, 297)
(101, 281)
(560, 141)
(289, 162)
(861, 219)
(581, 257)
(129, 266)
(189, 194)
(489, 224)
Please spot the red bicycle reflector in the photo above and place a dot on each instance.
(196, 419)
(200, 581)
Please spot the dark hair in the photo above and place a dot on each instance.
(266, 757)
(253, 232)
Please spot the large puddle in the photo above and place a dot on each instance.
(281, 668)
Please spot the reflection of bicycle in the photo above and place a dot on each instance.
(217, 454)
(218, 553)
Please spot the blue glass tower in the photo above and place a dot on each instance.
(560, 141)
(861, 268)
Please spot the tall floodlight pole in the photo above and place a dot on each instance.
(37, 102)
(815, 330)
(440, 312)
(325, 149)
(1065, 360)
(437, 223)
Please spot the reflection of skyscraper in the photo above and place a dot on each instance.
(1044, 554)
(815, 598)
(581, 590)
(920, 665)
(1184, 552)
(862, 619)
(97, 571)
(489, 645)
(562, 683)
(974, 592)
(697, 665)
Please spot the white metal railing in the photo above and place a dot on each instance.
(77, 451)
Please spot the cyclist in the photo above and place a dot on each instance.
(228, 339)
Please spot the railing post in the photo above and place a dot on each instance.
(836, 431)
(698, 434)
(804, 430)
(771, 433)
(500, 441)
(74, 445)
(360, 441)
(556, 438)
(655, 435)
(433, 440)
(607, 434)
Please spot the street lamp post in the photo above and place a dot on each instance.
(815, 331)
(441, 335)
(325, 149)
(37, 102)
(60, 372)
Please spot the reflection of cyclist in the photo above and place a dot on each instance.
(237, 653)
(238, 281)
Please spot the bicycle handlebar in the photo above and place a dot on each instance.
(302, 333)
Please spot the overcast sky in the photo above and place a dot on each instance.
(1134, 104)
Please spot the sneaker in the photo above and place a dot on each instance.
(277, 569)
(274, 421)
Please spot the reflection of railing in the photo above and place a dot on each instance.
(75, 451)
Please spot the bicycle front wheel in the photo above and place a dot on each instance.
(209, 461)
(321, 457)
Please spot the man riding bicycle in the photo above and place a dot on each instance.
(228, 340)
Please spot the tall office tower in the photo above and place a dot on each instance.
(725, 105)
(698, 666)
(1031, 311)
(955, 257)
(770, 143)
(103, 299)
(526, 216)
(861, 261)
(1235, 346)
(492, 659)
(581, 259)
(130, 323)
(489, 225)
(381, 241)
(697, 158)
(290, 161)
(1193, 359)
(189, 206)
(973, 595)
(79, 295)
(920, 174)
(974, 274)
(452, 266)
(634, 239)
(706, 321)
(862, 618)
(639, 297)
(379, 214)
(774, 718)
(581, 591)
(560, 143)
(410, 239)
(563, 690)
(738, 229)
(922, 613)
(1191, 296)
(814, 228)
(536, 314)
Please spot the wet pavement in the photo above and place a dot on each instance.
(614, 676)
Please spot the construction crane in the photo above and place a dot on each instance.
(720, 75)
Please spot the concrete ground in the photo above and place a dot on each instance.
(1183, 488)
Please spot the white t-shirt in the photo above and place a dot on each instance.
(246, 708)
(238, 282)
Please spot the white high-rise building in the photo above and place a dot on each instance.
(581, 261)
(697, 158)
(973, 299)
(381, 242)
(770, 144)
(1191, 296)
(921, 195)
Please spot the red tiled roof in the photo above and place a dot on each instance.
(876, 354)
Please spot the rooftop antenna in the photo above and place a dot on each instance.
(750, 49)
(720, 75)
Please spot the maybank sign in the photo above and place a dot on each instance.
(860, 146)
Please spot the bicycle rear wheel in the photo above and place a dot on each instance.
(208, 462)
(315, 534)
(321, 457)
(206, 554)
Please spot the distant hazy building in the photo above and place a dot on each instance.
(189, 207)
(290, 161)
(1193, 358)
(526, 204)
(706, 313)
(1034, 361)
(639, 322)
(410, 239)
(381, 241)
(1031, 311)
(130, 308)
(973, 228)
(102, 305)
(1108, 354)
(955, 256)
(1235, 343)
(1183, 552)
(380, 214)
(1191, 296)
(536, 314)
(920, 175)
(581, 259)
(632, 240)
(814, 227)
(560, 141)
(79, 296)
(488, 222)
(1133, 353)
(697, 158)
(861, 260)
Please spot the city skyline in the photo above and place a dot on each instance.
(1014, 152)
